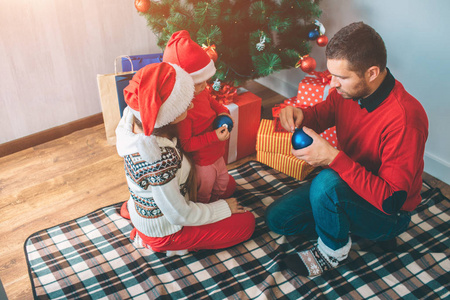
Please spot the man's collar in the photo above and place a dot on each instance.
(381, 93)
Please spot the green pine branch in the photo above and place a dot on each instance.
(237, 28)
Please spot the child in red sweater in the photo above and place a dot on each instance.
(196, 132)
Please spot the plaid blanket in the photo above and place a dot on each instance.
(92, 257)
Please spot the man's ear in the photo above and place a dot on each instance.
(372, 73)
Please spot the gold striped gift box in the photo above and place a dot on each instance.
(274, 149)
(270, 141)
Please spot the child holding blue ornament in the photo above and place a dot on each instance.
(196, 132)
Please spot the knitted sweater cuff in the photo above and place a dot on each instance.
(221, 210)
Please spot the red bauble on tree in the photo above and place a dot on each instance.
(307, 64)
(211, 51)
(142, 5)
(322, 40)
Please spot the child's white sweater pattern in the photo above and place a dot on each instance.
(159, 203)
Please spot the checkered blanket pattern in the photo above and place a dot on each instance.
(92, 258)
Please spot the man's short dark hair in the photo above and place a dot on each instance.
(360, 45)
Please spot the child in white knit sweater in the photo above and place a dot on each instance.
(158, 174)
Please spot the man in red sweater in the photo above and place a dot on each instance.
(372, 181)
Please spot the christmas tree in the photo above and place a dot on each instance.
(250, 39)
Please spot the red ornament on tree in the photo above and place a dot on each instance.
(307, 64)
(142, 5)
(322, 40)
(211, 51)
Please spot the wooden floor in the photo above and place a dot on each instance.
(65, 179)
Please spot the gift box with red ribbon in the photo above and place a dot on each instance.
(274, 149)
(315, 89)
(276, 112)
(245, 110)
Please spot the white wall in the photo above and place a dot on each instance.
(416, 36)
(51, 52)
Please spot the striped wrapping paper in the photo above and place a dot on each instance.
(270, 141)
(288, 164)
(274, 149)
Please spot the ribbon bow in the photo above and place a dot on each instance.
(276, 109)
(324, 76)
(225, 95)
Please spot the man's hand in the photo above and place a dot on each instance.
(222, 133)
(291, 118)
(320, 153)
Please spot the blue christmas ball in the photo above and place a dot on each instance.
(300, 139)
(313, 34)
(223, 120)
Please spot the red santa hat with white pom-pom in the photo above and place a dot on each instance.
(184, 52)
(157, 95)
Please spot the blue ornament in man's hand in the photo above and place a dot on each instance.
(300, 139)
(223, 121)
